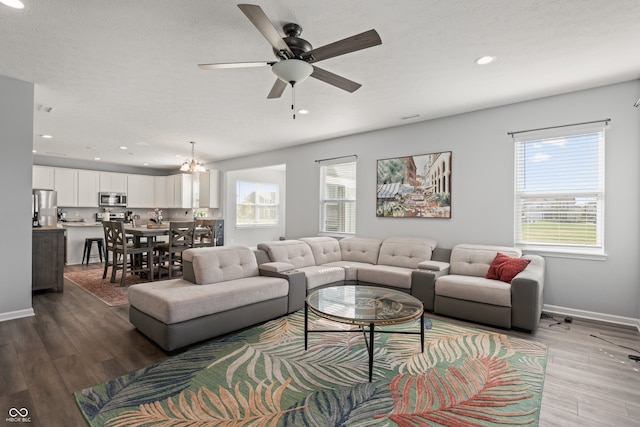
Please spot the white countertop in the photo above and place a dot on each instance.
(80, 224)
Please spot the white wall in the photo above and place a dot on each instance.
(16, 144)
(482, 189)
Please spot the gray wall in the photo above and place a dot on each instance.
(482, 189)
(16, 136)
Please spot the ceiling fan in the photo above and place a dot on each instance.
(296, 56)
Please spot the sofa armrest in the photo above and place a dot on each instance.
(297, 286)
(277, 267)
(423, 285)
(526, 295)
(434, 265)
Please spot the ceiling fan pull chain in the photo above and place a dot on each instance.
(293, 100)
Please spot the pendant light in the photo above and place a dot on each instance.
(192, 165)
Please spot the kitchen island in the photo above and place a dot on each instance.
(76, 233)
(47, 263)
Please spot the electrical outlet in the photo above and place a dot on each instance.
(568, 319)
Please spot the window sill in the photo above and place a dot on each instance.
(336, 234)
(564, 253)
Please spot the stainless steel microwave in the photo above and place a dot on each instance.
(113, 199)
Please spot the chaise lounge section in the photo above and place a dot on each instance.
(221, 291)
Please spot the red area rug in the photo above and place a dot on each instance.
(109, 293)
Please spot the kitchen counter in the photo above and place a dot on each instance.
(80, 224)
(76, 233)
(47, 266)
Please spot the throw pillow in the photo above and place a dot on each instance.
(505, 268)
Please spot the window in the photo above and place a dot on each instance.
(338, 197)
(257, 203)
(559, 198)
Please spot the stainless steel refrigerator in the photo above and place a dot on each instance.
(44, 208)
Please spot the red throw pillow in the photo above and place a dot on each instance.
(505, 268)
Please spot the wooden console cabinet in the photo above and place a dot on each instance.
(47, 265)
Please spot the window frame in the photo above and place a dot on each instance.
(593, 198)
(348, 201)
(257, 205)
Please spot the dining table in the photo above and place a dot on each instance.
(141, 232)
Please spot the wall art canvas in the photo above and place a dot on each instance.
(415, 186)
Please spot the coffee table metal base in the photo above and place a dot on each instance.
(369, 341)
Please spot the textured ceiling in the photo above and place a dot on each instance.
(123, 73)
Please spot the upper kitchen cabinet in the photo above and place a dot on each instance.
(210, 189)
(178, 191)
(42, 177)
(66, 185)
(140, 191)
(159, 190)
(88, 188)
(113, 182)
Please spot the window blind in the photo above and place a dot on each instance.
(338, 197)
(559, 189)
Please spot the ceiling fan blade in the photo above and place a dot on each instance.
(260, 20)
(350, 44)
(234, 65)
(277, 90)
(335, 80)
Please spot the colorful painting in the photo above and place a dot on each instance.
(415, 186)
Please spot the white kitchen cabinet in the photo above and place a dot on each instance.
(210, 189)
(159, 196)
(140, 191)
(88, 188)
(113, 182)
(178, 191)
(66, 185)
(43, 177)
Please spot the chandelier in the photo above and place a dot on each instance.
(192, 165)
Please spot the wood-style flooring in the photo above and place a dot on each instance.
(75, 341)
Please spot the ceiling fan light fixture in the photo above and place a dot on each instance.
(16, 4)
(292, 71)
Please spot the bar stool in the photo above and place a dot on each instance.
(88, 242)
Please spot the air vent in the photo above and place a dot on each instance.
(44, 108)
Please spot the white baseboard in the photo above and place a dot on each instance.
(591, 315)
(17, 314)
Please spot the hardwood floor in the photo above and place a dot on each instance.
(76, 341)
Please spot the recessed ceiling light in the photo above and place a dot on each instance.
(34, 151)
(484, 60)
(145, 164)
(303, 111)
(96, 158)
(17, 4)
(46, 136)
(122, 147)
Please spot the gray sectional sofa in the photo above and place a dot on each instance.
(231, 287)
(221, 291)
(451, 282)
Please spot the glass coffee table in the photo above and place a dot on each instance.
(366, 307)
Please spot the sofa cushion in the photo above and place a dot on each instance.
(474, 260)
(350, 268)
(505, 268)
(320, 275)
(213, 265)
(294, 252)
(388, 275)
(360, 249)
(324, 249)
(178, 300)
(406, 252)
(473, 288)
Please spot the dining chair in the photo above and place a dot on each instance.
(109, 245)
(181, 237)
(205, 237)
(124, 253)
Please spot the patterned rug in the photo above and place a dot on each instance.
(111, 294)
(263, 377)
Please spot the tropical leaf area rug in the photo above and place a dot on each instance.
(263, 377)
